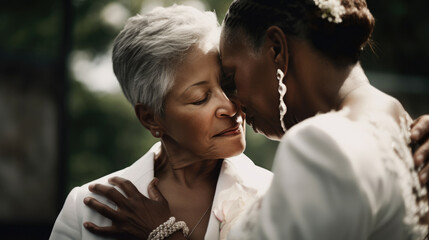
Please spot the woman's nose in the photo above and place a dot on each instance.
(227, 108)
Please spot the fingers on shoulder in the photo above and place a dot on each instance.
(420, 128)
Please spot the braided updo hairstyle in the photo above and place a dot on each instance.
(303, 19)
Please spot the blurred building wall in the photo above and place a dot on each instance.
(33, 94)
(28, 143)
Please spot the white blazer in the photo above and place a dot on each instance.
(236, 171)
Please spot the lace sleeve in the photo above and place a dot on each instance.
(246, 226)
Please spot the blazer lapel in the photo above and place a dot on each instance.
(225, 181)
(239, 180)
(141, 172)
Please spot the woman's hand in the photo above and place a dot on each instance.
(136, 215)
(420, 135)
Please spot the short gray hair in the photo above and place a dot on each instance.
(147, 52)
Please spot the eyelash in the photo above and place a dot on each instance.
(201, 101)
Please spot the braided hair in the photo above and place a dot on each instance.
(302, 18)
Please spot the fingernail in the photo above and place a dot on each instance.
(423, 177)
(86, 200)
(415, 134)
(91, 187)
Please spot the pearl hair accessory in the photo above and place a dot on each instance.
(169, 227)
(282, 91)
(331, 10)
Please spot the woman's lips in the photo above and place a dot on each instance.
(230, 131)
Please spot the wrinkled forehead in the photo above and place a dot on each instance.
(200, 64)
(224, 46)
(224, 39)
(232, 41)
(230, 49)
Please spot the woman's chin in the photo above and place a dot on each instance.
(275, 135)
(232, 151)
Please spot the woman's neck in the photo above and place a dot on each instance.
(322, 85)
(170, 166)
(354, 81)
(327, 86)
(189, 188)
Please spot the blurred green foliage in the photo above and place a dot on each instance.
(104, 135)
(30, 30)
(90, 33)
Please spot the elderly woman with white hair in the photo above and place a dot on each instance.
(168, 67)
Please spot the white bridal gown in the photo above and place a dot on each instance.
(335, 178)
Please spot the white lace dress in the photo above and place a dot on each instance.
(340, 179)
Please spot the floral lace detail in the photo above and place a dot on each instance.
(236, 200)
(248, 222)
(399, 163)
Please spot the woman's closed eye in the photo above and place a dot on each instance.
(201, 101)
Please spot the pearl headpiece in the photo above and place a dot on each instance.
(331, 10)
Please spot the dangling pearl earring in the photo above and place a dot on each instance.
(282, 91)
(157, 134)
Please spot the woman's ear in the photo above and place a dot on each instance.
(148, 119)
(278, 47)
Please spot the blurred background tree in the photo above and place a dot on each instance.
(59, 51)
